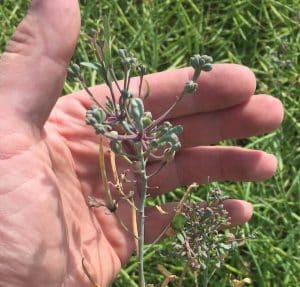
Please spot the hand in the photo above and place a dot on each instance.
(48, 156)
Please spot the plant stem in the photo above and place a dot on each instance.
(205, 274)
(143, 194)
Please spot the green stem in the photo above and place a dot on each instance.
(205, 273)
(143, 194)
(205, 278)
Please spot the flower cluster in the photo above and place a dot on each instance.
(125, 121)
(200, 238)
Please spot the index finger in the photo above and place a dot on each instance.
(225, 86)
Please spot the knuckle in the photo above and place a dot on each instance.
(24, 38)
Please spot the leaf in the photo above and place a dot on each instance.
(89, 65)
(180, 237)
(178, 222)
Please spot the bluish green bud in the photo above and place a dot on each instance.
(173, 140)
(171, 133)
(98, 114)
(90, 120)
(95, 116)
(126, 95)
(207, 67)
(147, 119)
(195, 61)
(200, 63)
(142, 70)
(100, 129)
(116, 146)
(177, 129)
(207, 59)
(136, 111)
(190, 87)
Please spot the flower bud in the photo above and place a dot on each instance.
(99, 114)
(100, 129)
(147, 119)
(116, 146)
(207, 67)
(142, 70)
(190, 87)
(136, 111)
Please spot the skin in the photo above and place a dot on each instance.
(48, 156)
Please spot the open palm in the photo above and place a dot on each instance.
(49, 162)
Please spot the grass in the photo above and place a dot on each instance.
(164, 34)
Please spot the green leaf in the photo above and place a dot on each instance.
(180, 237)
(178, 222)
(89, 65)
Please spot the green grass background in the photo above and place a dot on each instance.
(164, 34)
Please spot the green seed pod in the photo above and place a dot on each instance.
(136, 111)
(116, 146)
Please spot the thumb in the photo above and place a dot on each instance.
(33, 66)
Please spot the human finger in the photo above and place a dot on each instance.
(36, 58)
(214, 163)
(241, 121)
